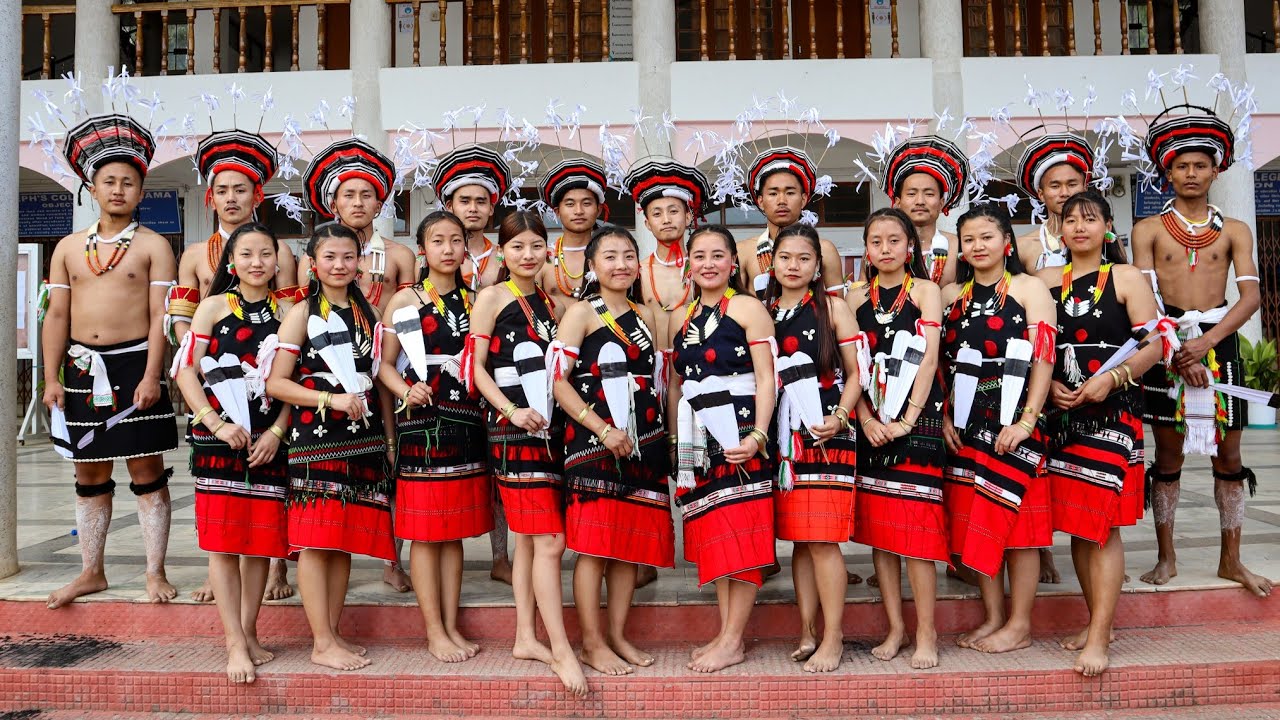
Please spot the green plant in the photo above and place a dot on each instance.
(1261, 365)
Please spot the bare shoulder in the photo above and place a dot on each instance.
(1051, 277)
(150, 238)
(1128, 274)
(1029, 286)
(1236, 229)
(401, 298)
(922, 288)
(402, 251)
(72, 241)
(214, 306)
(745, 305)
(952, 290)
(646, 314)
(1147, 228)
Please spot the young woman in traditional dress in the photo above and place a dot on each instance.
(1091, 487)
(616, 466)
(726, 495)
(443, 487)
(996, 493)
(525, 444)
(813, 503)
(338, 503)
(900, 460)
(241, 473)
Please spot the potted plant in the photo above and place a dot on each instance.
(1261, 372)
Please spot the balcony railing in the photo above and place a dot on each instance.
(499, 32)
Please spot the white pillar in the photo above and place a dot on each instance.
(370, 52)
(942, 41)
(654, 39)
(10, 85)
(97, 49)
(1222, 33)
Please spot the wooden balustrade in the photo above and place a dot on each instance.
(45, 14)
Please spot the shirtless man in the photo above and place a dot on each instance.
(469, 181)
(349, 181)
(1189, 249)
(925, 177)
(781, 181)
(235, 164)
(104, 339)
(575, 190)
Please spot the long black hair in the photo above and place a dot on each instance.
(997, 214)
(424, 227)
(223, 281)
(338, 231)
(735, 279)
(511, 226)
(1091, 202)
(915, 258)
(828, 359)
(591, 286)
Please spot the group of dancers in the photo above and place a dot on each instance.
(960, 402)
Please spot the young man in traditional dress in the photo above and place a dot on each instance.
(349, 181)
(469, 181)
(236, 165)
(781, 181)
(104, 339)
(1189, 250)
(574, 189)
(925, 178)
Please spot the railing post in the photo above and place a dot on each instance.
(1097, 28)
(137, 42)
(1124, 28)
(733, 26)
(191, 41)
(893, 26)
(1017, 28)
(46, 63)
(243, 39)
(1151, 28)
(320, 57)
(164, 42)
(840, 29)
(1044, 28)
(551, 35)
(444, 36)
(813, 31)
(758, 14)
(1071, 27)
(268, 63)
(604, 31)
(991, 29)
(217, 41)
(1177, 28)
(417, 32)
(702, 27)
(866, 28)
(576, 55)
(524, 31)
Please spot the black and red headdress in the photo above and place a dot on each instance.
(104, 139)
(1048, 151)
(244, 152)
(934, 156)
(1200, 130)
(668, 178)
(782, 159)
(575, 174)
(346, 160)
(471, 165)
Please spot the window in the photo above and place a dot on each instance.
(522, 32)
(1030, 26)
(736, 38)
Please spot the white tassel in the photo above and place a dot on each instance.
(1074, 374)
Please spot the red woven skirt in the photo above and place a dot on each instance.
(444, 491)
(620, 509)
(1132, 501)
(819, 508)
(240, 518)
(529, 473)
(899, 510)
(1087, 477)
(351, 514)
(728, 520)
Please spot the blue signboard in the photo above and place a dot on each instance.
(1266, 196)
(44, 215)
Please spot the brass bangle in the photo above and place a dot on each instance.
(762, 440)
(913, 404)
(218, 427)
(866, 420)
(1031, 429)
(1128, 372)
(325, 400)
(604, 433)
(582, 416)
(673, 439)
(200, 415)
(509, 411)
(908, 427)
(277, 431)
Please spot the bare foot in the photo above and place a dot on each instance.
(826, 658)
(258, 654)
(808, 646)
(531, 650)
(158, 588)
(278, 587)
(629, 652)
(240, 666)
(349, 646)
(1005, 639)
(603, 659)
(718, 658)
(444, 649)
(967, 640)
(1091, 662)
(854, 578)
(964, 574)
(501, 571)
(84, 584)
(645, 574)
(703, 650)
(395, 577)
(203, 594)
(892, 645)
(471, 648)
(339, 658)
(570, 673)
(926, 654)
(1255, 584)
(1077, 641)
(873, 581)
(1048, 570)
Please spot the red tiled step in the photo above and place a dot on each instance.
(1228, 664)
(1054, 614)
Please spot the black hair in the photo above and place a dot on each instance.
(915, 257)
(512, 225)
(997, 214)
(223, 281)
(359, 304)
(1091, 202)
(424, 227)
(735, 279)
(592, 286)
(828, 359)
